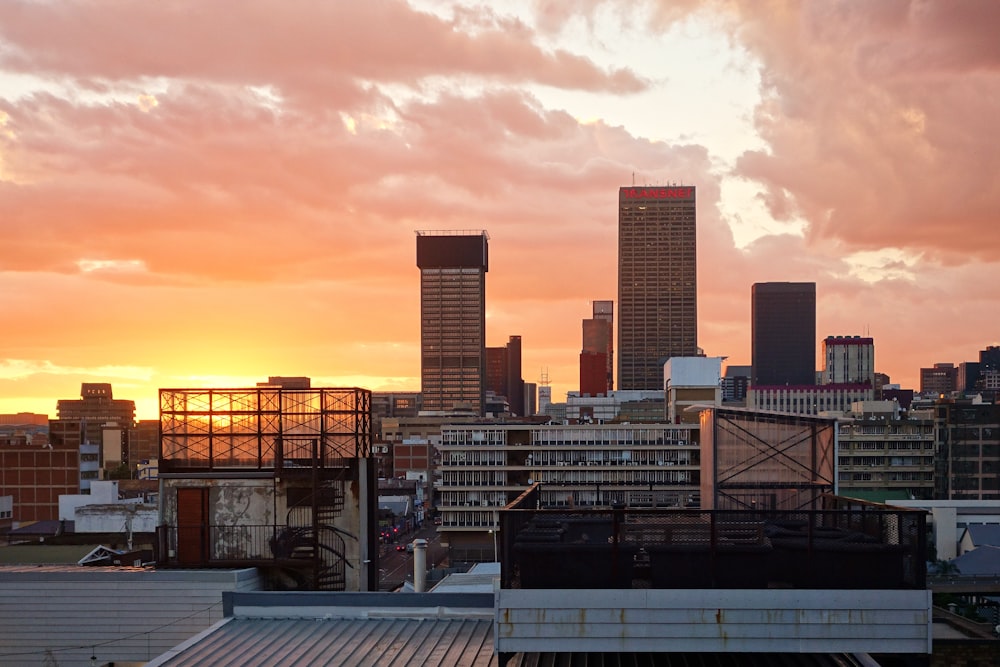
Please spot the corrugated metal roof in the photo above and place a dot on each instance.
(355, 642)
(687, 660)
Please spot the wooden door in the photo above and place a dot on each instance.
(192, 526)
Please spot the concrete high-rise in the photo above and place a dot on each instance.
(453, 266)
(657, 282)
(783, 337)
(849, 360)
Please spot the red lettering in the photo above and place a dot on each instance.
(657, 193)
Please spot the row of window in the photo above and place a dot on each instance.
(886, 477)
(881, 461)
(881, 445)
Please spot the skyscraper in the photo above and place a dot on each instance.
(783, 345)
(453, 266)
(657, 282)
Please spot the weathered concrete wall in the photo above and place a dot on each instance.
(726, 621)
(235, 503)
(116, 518)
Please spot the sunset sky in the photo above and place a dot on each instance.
(207, 193)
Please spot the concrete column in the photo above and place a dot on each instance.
(945, 532)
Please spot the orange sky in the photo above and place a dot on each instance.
(205, 194)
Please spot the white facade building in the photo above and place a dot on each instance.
(808, 400)
(848, 360)
(484, 467)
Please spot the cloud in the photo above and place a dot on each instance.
(879, 123)
(307, 47)
(20, 369)
(208, 193)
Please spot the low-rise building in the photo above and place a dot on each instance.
(808, 399)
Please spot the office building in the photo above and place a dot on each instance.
(939, 380)
(881, 456)
(806, 400)
(598, 349)
(106, 420)
(968, 377)
(530, 399)
(967, 456)
(989, 359)
(593, 374)
(783, 345)
(544, 399)
(503, 375)
(849, 360)
(657, 282)
(735, 383)
(453, 266)
(483, 467)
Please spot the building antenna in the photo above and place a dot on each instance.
(545, 377)
(633, 178)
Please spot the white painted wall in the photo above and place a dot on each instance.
(116, 518)
(693, 371)
(103, 492)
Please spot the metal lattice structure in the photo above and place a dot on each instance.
(767, 461)
(262, 428)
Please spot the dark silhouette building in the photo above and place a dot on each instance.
(735, 383)
(97, 407)
(657, 282)
(453, 266)
(968, 450)
(503, 374)
(783, 346)
(941, 379)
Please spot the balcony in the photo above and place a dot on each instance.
(313, 559)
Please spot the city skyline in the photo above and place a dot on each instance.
(206, 203)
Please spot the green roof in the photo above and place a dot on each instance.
(876, 495)
(44, 554)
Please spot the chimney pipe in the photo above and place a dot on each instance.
(419, 565)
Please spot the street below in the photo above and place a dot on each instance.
(395, 567)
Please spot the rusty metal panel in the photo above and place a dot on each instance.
(738, 621)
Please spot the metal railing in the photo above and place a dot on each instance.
(208, 545)
(846, 545)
